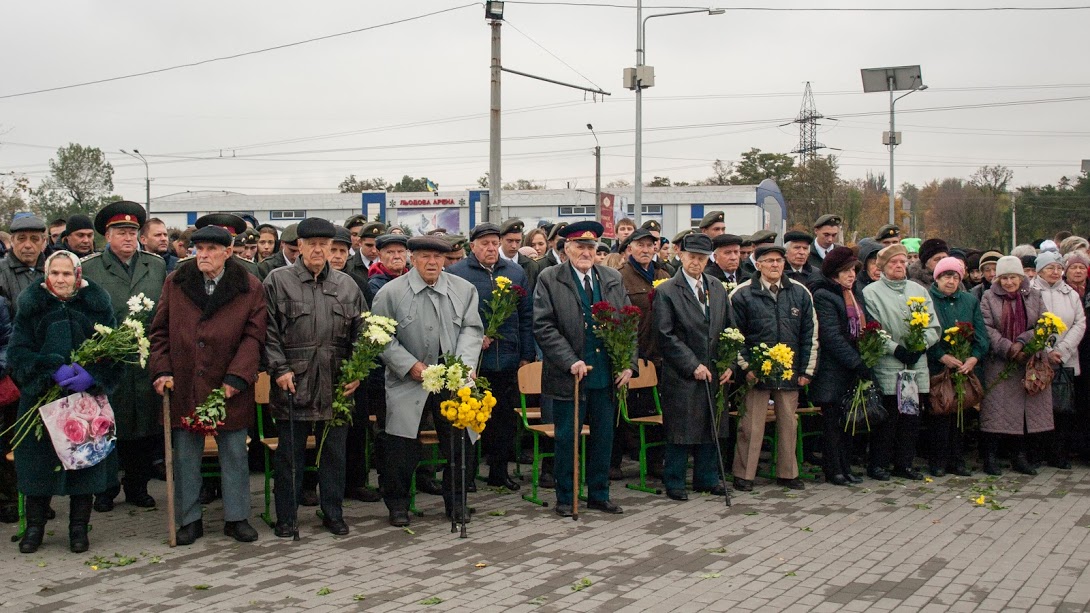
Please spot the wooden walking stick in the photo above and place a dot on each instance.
(168, 452)
(575, 452)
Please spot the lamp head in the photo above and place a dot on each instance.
(716, 11)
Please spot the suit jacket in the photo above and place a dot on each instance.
(420, 337)
(559, 325)
(689, 339)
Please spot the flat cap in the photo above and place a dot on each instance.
(724, 240)
(652, 225)
(212, 234)
(635, 236)
(766, 248)
(121, 214)
(697, 243)
(828, 219)
(582, 231)
(681, 235)
(342, 235)
(386, 240)
(602, 248)
(27, 223)
(990, 257)
(512, 226)
(484, 229)
(713, 217)
(429, 243)
(888, 231)
(761, 237)
(228, 221)
(290, 235)
(798, 235)
(316, 227)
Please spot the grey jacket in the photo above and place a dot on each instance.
(559, 325)
(312, 325)
(420, 337)
(16, 276)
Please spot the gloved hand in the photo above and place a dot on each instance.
(864, 373)
(906, 357)
(73, 377)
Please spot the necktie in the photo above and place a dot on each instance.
(775, 289)
(730, 278)
(700, 296)
(210, 286)
(587, 287)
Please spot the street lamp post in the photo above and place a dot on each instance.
(891, 79)
(147, 176)
(641, 77)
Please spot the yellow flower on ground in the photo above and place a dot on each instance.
(980, 500)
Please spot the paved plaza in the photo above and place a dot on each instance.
(961, 544)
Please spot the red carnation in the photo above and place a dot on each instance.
(631, 311)
(518, 289)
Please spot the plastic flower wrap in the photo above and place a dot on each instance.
(471, 401)
(618, 330)
(375, 334)
(871, 342)
(501, 305)
(209, 415)
(1046, 333)
(917, 320)
(126, 344)
(958, 340)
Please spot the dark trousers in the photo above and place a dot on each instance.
(946, 448)
(369, 401)
(290, 455)
(597, 411)
(135, 456)
(641, 403)
(1063, 438)
(894, 441)
(837, 444)
(401, 455)
(498, 439)
(705, 466)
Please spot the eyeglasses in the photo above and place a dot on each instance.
(773, 261)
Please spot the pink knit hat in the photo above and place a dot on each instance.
(950, 264)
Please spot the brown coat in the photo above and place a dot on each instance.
(205, 341)
(639, 294)
(1006, 405)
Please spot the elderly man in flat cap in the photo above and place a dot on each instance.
(796, 244)
(22, 265)
(504, 355)
(725, 260)
(235, 226)
(212, 304)
(564, 330)
(770, 308)
(124, 271)
(437, 314)
(288, 254)
(691, 309)
(826, 233)
(314, 319)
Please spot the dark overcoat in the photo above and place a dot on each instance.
(639, 294)
(839, 363)
(205, 341)
(559, 325)
(46, 332)
(134, 401)
(1006, 406)
(688, 339)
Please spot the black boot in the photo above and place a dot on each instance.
(36, 509)
(78, 518)
(990, 451)
(104, 502)
(498, 476)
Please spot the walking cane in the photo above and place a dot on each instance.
(715, 435)
(576, 431)
(294, 492)
(464, 495)
(168, 452)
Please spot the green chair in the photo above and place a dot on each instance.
(430, 440)
(648, 378)
(529, 377)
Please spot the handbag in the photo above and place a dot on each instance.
(908, 393)
(1063, 391)
(944, 397)
(870, 414)
(82, 429)
(1039, 374)
(9, 394)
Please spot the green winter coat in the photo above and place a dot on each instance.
(46, 331)
(135, 404)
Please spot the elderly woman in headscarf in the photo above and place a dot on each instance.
(52, 319)
(1011, 309)
(1063, 301)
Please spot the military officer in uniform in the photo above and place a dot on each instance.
(438, 315)
(713, 224)
(246, 245)
(366, 247)
(758, 238)
(564, 330)
(826, 233)
(124, 271)
(511, 240)
(889, 234)
(691, 310)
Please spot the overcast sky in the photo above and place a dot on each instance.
(351, 104)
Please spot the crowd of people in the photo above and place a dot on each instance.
(234, 298)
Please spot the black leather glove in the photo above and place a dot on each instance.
(864, 373)
(906, 357)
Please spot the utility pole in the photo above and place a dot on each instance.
(1014, 224)
(597, 176)
(495, 182)
(147, 176)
